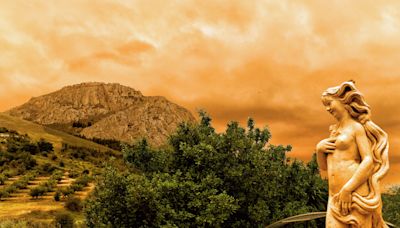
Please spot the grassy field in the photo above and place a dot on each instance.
(36, 131)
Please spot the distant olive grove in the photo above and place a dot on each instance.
(208, 179)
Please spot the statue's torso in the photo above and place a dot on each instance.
(343, 163)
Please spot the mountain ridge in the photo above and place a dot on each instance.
(105, 110)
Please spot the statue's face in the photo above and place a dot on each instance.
(335, 107)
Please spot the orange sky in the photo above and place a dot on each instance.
(267, 59)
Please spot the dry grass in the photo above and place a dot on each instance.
(14, 208)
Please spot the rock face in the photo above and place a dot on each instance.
(107, 111)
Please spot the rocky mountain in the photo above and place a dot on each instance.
(107, 111)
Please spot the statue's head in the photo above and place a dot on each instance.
(348, 97)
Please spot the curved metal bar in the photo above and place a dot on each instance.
(305, 217)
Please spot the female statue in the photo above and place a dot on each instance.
(355, 157)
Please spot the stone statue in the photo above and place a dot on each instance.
(356, 158)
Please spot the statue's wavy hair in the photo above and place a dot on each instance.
(360, 111)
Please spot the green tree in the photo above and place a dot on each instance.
(108, 205)
(229, 179)
(139, 155)
(146, 159)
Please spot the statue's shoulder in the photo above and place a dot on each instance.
(358, 127)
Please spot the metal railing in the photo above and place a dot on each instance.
(304, 218)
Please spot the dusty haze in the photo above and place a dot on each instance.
(267, 59)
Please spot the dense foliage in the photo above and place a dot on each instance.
(205, 178)
(391, 206)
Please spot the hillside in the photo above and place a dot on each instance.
(36, 131)
(42, 169)
(107, 111)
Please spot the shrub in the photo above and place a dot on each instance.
(30, 147)
(25, 161)
(64, 220)
(73, 174)
(73, 204)
(3, 130)
(38, 191)
(57, 196)
(66, 192)
(83, 180)
(10, 173)
(48, 185)
(21, 184)
(3, 179)
(4, 194)
(76, 187)
(10, 189)
(45, 146)
(57, 176)
(12, 147)
(47, 168)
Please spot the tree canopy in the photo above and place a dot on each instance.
(204, 178)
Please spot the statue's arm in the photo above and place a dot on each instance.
(365, 168)
(325, 147)
(321, 159)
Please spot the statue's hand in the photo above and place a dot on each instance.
(344, 202)
(326, 146)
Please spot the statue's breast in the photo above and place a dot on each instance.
(344, 140)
